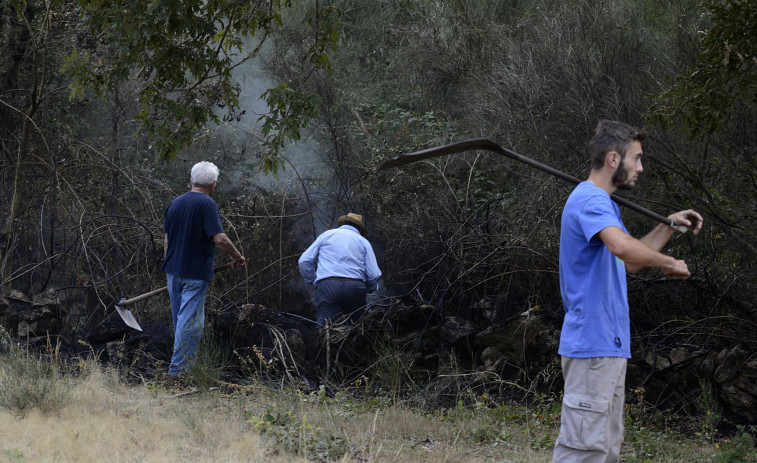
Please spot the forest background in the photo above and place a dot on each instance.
(105, 106)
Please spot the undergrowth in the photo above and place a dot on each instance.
(211, 361)
(31, 380)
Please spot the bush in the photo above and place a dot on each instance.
(30, 380)
(299, 437)
(210, 363)
(739, 449)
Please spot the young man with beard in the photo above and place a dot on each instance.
(596, 251)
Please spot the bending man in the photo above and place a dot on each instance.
(192, 232)
(342, 266)
(596, 251)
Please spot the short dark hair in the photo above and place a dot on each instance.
(612, 136)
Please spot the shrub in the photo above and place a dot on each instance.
(210, 363)
(30, 380)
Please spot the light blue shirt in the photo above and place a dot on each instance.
(340, 252)
(592, 280)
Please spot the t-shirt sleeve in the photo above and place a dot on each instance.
(597, 214)
(212, 220)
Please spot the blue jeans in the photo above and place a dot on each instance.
(188, 315)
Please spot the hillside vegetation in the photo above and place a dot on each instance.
(105, 106)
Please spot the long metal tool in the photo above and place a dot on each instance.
(126, 314)
(485, 144)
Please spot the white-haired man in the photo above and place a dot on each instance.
(192, 231)
(342, 266)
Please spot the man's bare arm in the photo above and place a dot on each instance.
(660, 235)
(636, 254)
(224, 242)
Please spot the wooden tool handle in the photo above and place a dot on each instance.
(163, 289)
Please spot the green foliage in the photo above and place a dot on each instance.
(724, 77)
(740, 449)
(14, 456)
(210, 363)
(391, 369)
(290, 109)
(297, 436)
(183, 54)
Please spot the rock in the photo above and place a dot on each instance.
(23, 317)
(490, 356)
(494, 336)
(707, 368)
(116, 352)
(679, 355)
(6, 314)
(250, 314)
(428, 362)
(750, 367)
(486, 309)
(11, 311)
(18, 296)
(406, 319)
(656, 361)
(110, 329)
(296, 344)
(156, 339)
(730, 363)
(423, 342)
(747, 384)
(743, 405)
(48, 298)
(457, 330)
(485, 303)
(525, 340)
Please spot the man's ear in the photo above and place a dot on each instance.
(612, 159)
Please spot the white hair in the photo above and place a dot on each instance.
(204, 174)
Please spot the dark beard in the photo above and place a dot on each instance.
(620, 177)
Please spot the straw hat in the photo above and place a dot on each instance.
(354, 220)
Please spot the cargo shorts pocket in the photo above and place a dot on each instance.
(584, 422)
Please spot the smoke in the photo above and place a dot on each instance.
(305, 175)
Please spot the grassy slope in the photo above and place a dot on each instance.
(106, 418)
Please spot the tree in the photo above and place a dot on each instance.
(725, 74)
(34, 39)
(183, 53)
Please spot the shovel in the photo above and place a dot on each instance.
(126, 314)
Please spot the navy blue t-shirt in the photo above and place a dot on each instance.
(191, 220)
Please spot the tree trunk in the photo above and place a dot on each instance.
(114, 190)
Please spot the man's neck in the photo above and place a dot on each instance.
(207, 190)
(602, 180)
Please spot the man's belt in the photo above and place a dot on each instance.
(341, 278)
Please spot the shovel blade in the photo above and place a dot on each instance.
(128, 317)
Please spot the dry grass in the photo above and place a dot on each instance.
(106, 419)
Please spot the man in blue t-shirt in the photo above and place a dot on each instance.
(596, 251)
(192, 232)
(342, 266)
